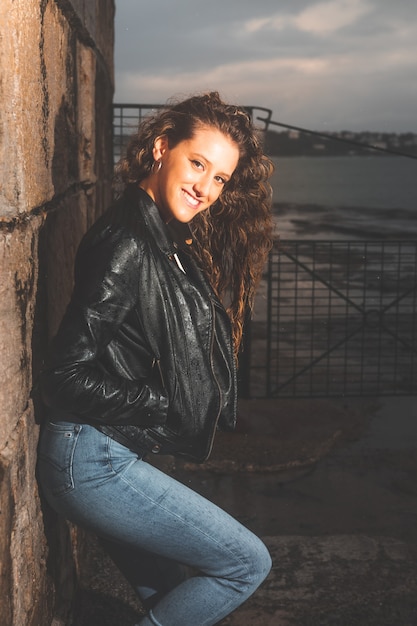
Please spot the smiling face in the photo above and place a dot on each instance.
(192, 174)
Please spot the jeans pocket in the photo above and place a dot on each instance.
(57, 447)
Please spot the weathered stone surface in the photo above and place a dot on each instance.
(86, 123)
(97, 18)
(7, 514)
(48, 131)
(336, 579)
(23, 549)
(28, 97)
(56, 153)
(18, 267)
(59, 242)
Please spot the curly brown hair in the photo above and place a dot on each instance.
(232, 238)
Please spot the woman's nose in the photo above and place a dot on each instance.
(202, 186)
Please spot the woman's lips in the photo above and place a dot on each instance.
(191, 200)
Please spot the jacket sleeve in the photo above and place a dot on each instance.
(75, 381)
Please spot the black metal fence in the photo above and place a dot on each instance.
(127, 117)
(333, 318)
(338, 319)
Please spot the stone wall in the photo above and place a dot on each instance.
(56, 89)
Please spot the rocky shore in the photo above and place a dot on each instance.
(312, 221)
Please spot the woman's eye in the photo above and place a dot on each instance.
(197, 164)
(220, 180)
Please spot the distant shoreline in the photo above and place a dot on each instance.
(343, 143)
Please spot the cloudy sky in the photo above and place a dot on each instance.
(331, 65)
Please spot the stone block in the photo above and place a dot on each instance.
(61, 99)
(97, 18)
(104, 125)
(86, 122)
(105, 12)
(48, 123)
(31, 73)
(23, 546)
(7, 514)
(60, 238)
(19, 267)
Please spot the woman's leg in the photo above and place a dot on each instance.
(101, 485)
(150, 575)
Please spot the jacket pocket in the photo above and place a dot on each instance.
(56, 451)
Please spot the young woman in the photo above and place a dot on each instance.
(145, 360)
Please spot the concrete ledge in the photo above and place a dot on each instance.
(337, 580)
(278, 435)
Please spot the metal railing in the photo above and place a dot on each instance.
(340, 320)
(127, 117)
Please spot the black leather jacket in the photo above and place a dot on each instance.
(144, 351)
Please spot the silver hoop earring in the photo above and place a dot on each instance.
(156, 166)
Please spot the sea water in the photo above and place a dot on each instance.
(378, 182)
(350, 197)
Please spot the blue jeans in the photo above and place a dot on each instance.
(153, 526)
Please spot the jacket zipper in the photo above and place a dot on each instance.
(211, 442)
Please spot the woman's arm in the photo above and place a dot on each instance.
(75, 381)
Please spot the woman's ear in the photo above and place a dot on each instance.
(159, 147)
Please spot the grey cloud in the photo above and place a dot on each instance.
(191, 35)
(166, 47)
